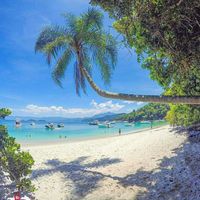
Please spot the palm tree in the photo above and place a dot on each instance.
(83, 41)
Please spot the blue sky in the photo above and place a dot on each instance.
(26, 85)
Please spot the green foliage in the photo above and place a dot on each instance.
(151, 111)
(4, 112)
(80, 40)
(165, 36)
(15, 162)
(161, 32)
(183, 115)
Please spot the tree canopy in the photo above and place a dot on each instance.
(151, 111)
(166, 37)
(164, 34)
(4, 112)
(15, 162)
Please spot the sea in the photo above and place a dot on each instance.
(71, 131)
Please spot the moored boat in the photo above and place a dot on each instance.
(32, 123)
(61, 125)
(18, 123)
(95, 122)
(50, 126)
(145, 122)
(105, 125)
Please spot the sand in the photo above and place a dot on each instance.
(118, 167)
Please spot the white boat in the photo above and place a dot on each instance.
(95, 122)
(61, 125)
(145, 122)
(113, 122)
(102, 126)
(18, 123)
(32, 123)
(105, 125)
(50, 126)
(109, 125)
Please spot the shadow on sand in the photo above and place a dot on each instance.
(176, 178)
(84, 179)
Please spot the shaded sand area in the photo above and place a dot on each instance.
(134, 166)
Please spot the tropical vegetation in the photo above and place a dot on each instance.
(165, 36)
(4, 112)
(151, 111)
(15, 162)
(83, 40)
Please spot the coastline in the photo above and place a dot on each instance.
(74, 140)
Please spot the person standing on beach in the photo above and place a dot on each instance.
(151, 124)
(120, 131)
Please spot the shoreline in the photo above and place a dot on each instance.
(61, 141)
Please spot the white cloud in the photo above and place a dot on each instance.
(108, 105)
(132, 102)
(96, 108)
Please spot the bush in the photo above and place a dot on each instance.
(4, 112)
(15, 162)
(183, 115)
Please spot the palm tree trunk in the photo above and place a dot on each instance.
(142, 98)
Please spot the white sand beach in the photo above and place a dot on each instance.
(121, 167)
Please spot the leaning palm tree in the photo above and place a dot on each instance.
(83, 41)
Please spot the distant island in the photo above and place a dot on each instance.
(151, 111)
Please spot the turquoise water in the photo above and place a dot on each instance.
(71, 130)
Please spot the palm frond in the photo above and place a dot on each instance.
(79, 79)
(61, 65)
(103, 62)
(71, 24)
(111, 50)
(104, 53)
(86, 59)
(92, 18)
(47, 35)
(50, 41)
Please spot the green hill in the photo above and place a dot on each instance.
(151, 111)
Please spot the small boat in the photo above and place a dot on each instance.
(50, 126)
(32, 123)
(18, 123)
(61, 125)
(113, 122)
(145, 122)
(105, 125)
(96, 122)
